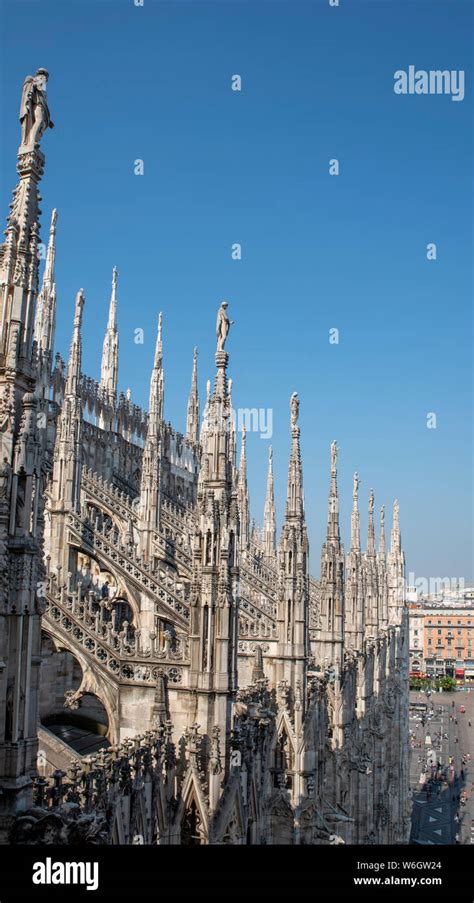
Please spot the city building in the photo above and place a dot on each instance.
(238, 698)
(449, 642)
(416, 632)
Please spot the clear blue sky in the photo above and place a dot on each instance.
(318, 251)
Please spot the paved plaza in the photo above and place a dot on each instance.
(442, 767)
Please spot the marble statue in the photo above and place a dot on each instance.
(34, 111)
(222, 326)
(294, 408)
(356, 485)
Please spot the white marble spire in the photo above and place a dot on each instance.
(192, 418)
(243, 493)
(269, 514)
(355, 518)
(109, 368)
(156, 404)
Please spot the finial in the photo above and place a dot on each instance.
(270, 455)
(371, 534)
(114, 277)
(395, 534)
(223, 325)
(79, 305)
(160, 326)
(382, 531)
(294, 409)
(355, 491)
(355, 528)
(243, 450)
(334, 451)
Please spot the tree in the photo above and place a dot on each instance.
(446, 683)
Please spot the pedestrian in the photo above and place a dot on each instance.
(469, 722)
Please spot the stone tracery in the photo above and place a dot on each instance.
(281, 691)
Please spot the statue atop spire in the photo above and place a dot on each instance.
(113, 298)
(34, 111)
(294, 497)
(395, 535)
(294, 409)
(25, 383)
(355, 525)
(355, 490)
(222, 326)
(382, 532)
(333, 531)
(19, 261)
